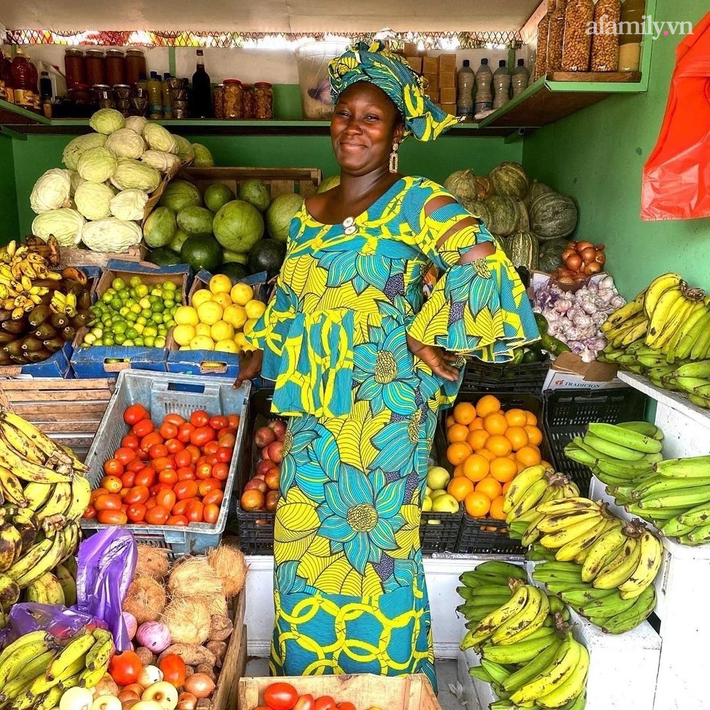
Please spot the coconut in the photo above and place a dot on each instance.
(229, 563)
(145, 599)
(215, 603)
(194, 577)
(188, 620)
(152, 562)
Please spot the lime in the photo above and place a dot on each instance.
(131, 333)
(128, 344)
(124, 311)
(131, 317)
(135, 308)
(147, 313)
(141, 291)
(132, 293)
(170, 286)
(157, 292)
(141, 320)
(145, 303)
(120, 327)
(89, 339)
(158, 307)
(140, 342)
(149, 341)
(162, 330)
(160, 342)
(139, 328)
(116, 304)
(169, 323)
(109, 341)
(150, 330)
(124, 295)
(107, 297)
(158, 317)
(119, 284)
(135, 281)
(120, 338)
(169, 303)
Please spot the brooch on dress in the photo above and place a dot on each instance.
(349, 225)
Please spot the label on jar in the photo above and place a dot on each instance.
(24, 98)
(3, 92)
(9, 95)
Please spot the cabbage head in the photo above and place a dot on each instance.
(51, 191)
(130, 174)
(93, 199)
(160, 160)
(111, 234)
(185, 151)
(65, 225)
(203, 158)
(74, 149)
(126, 143)
(136, 123)
(107, 120)
(97, 165)
(159, 138)
(76, 180)
(129, 204)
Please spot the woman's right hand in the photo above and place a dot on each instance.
(249, 366)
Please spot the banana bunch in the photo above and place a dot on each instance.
(607, 606)
(64, 303)
(37, 668)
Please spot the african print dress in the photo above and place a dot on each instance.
(349, 584)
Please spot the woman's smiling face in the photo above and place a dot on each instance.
(364, 127)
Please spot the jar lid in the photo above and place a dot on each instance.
(79, 87)
(135, 52)
(247, 87)
(102, 87)
(262, 85)
(232, 82)
(121, 86)
(75, 52)
(94, 52)
(114, 52)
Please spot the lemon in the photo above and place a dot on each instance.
(210, 312)
(184, 347)
(226, 346)
(236, 315)
(201, 342)
(241, 341)
(199, 297)
(223, 299)
(183, 334)
(222, 330)
(220, 283)
(203, 329)
(242, 294)
(254, 309)
(249, 326)
(186, 315)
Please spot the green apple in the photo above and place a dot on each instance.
(427, 491)
(437, 494)
(437, 477)
(426, 504)
(445, 504)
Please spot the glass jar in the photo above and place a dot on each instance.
(139, 100)
(218, 98)
(103, 96)
(95, 67)
(632, 18)
(577, 43)
(556, 37)
(122, 95)
(248, 101)
(263, 100)
(543, 31)
(80, 99)
(115, 67)
(135, 66)
(233, 99)
(605, 40)
(74, 67)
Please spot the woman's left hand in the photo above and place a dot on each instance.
(440, 361)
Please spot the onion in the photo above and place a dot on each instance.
(567, 253)
(592, 268)
(200, 685)
(599, 247)
(131, 624)
(574, 262)
(566, 280)
(581, 246)
(600, 257)
(154, 636)
(128, 695)
(186, 701)
(150, 675)
(588, 254)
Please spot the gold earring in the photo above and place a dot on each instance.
(394, 158)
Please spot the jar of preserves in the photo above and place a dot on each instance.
(577, 45)
(24, 81)
(122, 95)
(605, 40)
(135, 66)
(79, 95)
(74, 67)
(115, 67)
(103, 96)
(248, 101)
(232, 99)
(218, 98)
(263, 100)
(95, 67)
(556, 37)
(632, 19)
(543, 31)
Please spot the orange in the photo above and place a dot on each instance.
(503, 469)
(498, 445)
(477, 505)
(457, 432)
(460, 487)
(487, 405)
(496, 511)
(476, 424)
(449, 421)
(529, 455)
(495, 423)
(464, 413)
(475, 467)
(486, 453)
(477, 439)
(458, 452)
(521, 466)
(531, 419)
(458, 471)
(534, 435)
(516, 417)
(506, 486)
(489, 487)
(516, 435)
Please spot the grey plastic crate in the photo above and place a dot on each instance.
(161, 394)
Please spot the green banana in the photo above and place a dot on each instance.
(612, 450)
(496, 671)
(572, 687)
(505, 569)
(526, 621)
(522, 651)
(620, 568)
(480, 673)
(687, 497)
(532, 668)
(632, 617)
(625, 437)
(692, 467)
(606, 545)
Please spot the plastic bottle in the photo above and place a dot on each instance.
(484, 88)
(632, 14)
(23, 88)
(466, 83)
(520, 79)
(155, 101)
(201, 89)
(501, 85)
(165, 92)
(5, 78)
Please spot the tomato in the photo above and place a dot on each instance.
(96, 493)
(218, 422)
(137, 494)
(183, 458)
(125, 667)
(112, 517)
(166, 499)
(202, 435)
(168, 475)
(136, 512)
(111, 501)
(130, 442)
(209, 484)
(136, 465)
(157, 516)
(185, 489)
(224, 455)
(233, 420)
(178, 520)
(210, 514)
(325, 702)
(175, 419)
(142, 455)
(203, 471)
(168, 431)
(174, 446)
(228, 441)
(180, 506)
(151, 502)
(112, 467)
(150, 439)
(210, 447)
(280, 696)
(128, 479)
(186, 473)
(161, 486)
(213, 498)
(220, 471)
(163, 462)
(174, 670)
(194, 511)
(158, 451)
(194, 452)
(185, 432)
(212, 460)
(199, 418)
(134, 414)
(346, 706)
(305, 702)
(90, 512)
(146, 477)
(124, 492)
(143, 428)
(112, 484)
(125, 455)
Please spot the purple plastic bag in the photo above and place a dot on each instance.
(57, 620)
(105, 567)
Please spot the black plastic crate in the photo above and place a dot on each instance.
(439, 532)
(568, 411)
(503, 377)
(482, 535)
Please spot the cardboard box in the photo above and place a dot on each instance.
(432, 82)
(570, 371)
(447, 79)
(449, 108)
(416, 63)
(431, 65)
(448, 95)
(447, 62)
(433, 96)
(556, 380)
(411, 49)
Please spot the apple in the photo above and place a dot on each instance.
(106, 702)
(278, 426)
(276, 451)
(437, 477)
(426, 504)
(150, 675)
(272, 498)
(256, 484)
(263, 436)
(445, 504)
(272, 479)
(265, 453)
(76, 699)
(164, 693)
(263, 466)
(437, 494)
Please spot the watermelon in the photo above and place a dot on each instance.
(201, 252)
(510, 180)
(504, 215)
(553, 216)
(235, 271)
(267, 255)
(163, 256)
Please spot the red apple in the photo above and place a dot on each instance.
(279, 428)
(256, 484)
(272, 498)
(263, 466)
(272, 479)
(275, 451)
(263, 436)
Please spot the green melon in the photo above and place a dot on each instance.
(510, 180)
(536, 189)
(504, 215)
(551, 254)
(553, 216)
(523, 250)
(465, 185)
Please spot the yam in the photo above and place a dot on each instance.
(221, 628)
(192, 654)
(208, 670)
(146, 655)
(219, 648)
(189, 670)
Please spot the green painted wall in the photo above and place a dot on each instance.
(597, 157)
(8, 201)
(434, 160)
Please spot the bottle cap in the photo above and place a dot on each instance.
(521, 62)
(501, 63)
(166, 75)
(484, 60)
(466, 63)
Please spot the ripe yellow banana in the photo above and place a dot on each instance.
(657, 288)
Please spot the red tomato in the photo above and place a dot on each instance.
(199, 418)
(183, 458)
(146, 477)
(325, 702)
(143, 428)
(169, 431)
(346, 706)
(158, 451)
(168, 475)
(180, 520)
(194, 511)
(186, 473)
(90, 512)
(180, 506)
(150, 439)
(305, 702)
(96, 493)
(174, 446)
(209, 484)
(227, 440)
(166, 499)
(130, 441)
(112, 484)
(111, 501)
(212, 460)
(157, 516)
(112, 517)
(112, 467)
(218, 422)
(202, 435)
(137, 494)
(203, 471)
(151, 502)
(233, 420)
(134, 414)
(174, 670)
(210, 447)
(213, 498)
(136, 465)
(125, 455)
(124, 492)
(224, 455)
(185, 489)
(185, 432)
(175, 419)
(210, 514)
(125, 667)
(161, 487)
(128, 479)
(163, 462)
(220, 471)
(280, 696)
(136, 512)
(194, 452)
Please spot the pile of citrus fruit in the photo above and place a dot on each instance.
(218, 317)
(488, 448)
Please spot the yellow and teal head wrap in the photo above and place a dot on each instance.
(391, 73)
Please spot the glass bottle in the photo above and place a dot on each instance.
(556, 37)
(248, 101)
(484, 88)
(466, 83)
(605, 40)
(201, 89)
(165, 96)
(22, 80)
(543, 30)
(632, 15)
(577, 44)
(155, 100)
(5, 78)
(263, 100)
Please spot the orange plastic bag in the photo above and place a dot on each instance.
(676, 177)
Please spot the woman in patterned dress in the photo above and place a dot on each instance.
(361, 366)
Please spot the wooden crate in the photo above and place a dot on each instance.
(279, 180)
(409, 692)
(76, 256)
